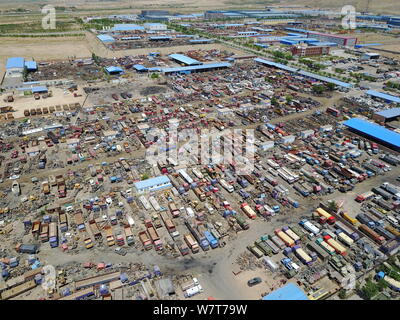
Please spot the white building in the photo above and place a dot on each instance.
(155, 26)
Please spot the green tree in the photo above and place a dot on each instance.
(342, 294)
(319, 89)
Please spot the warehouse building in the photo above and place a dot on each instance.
(114, 70)
(303, 51)
(105, 38)
(384, 96)
(182, 59)
(200, 68)
(155, 26)
(387, 115)
(340, 40)
(128, 27)
(370, 56)
(287, 292)
(372, 131)
(15, 67)
(304, 73)
(31, 65)
(153, 184)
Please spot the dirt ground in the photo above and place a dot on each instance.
(42, 48)
(387, 6)
(59, 97)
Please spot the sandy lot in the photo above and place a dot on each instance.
(42, 48)
(60, 97)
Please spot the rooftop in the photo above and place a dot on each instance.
(200, 67)
(374, 130)
(389, 113)
(287, 292)
(384, 96)
(105, 38)
(128, 27)
(15, 62)
(152, 182)
(184, 59)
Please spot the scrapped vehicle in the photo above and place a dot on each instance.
(254, 281)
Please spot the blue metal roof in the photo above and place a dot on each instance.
(297, 30)
(200, 67)
(325, 79)
(275, 64)
(389, 113)
(287, 292)
(185, 59)
(200, 40)
(152, 182)
(131, 38)
(304, 73)
(114, 69)
(139, 67)
(37, 89)
(128, 27)
(324, 44)
(15, 62)
(384, 96)
(375, 131)
(105, 38)
(31, 65)
(159, 38)
(367, 45)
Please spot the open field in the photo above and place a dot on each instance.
(42, 48)
(388, 6)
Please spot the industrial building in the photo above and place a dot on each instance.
(370, 56)
(303, 51)
(305, 73)
(155, 26)
(200, 68)
(287, 292)
(128, 27)
(114, 70)
(31, 65)
(153, 184)
(380, 134)
(326, 37)
(182, 59)
(15, 67)
(384, 96)
(387, 115)
(340, 40)
(105, 38)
